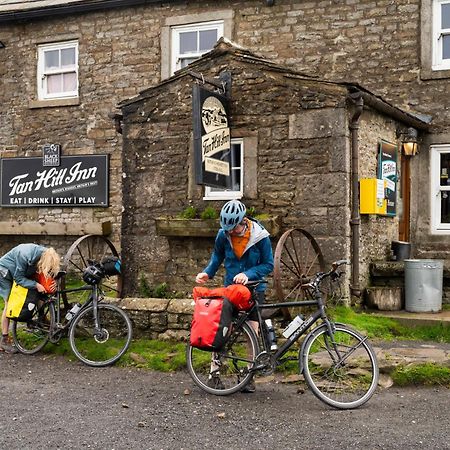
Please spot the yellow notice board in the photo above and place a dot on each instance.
(372, 196)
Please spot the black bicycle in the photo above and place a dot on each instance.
(338, 363)
(99, 333)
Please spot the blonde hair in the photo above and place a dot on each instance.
(49, 263)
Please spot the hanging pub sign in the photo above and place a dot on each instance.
(51, 154)
(387, 170)
(212, 142)
(77, 181)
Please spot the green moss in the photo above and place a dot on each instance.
(424, 374)
(209, 213)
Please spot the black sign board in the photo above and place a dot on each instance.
(212, 143)
(51, 154)
(78, 181)
(387, 170)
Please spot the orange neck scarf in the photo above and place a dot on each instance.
(240, 242)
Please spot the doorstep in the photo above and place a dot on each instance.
(416, 318)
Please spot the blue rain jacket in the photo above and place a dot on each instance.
(256, 262)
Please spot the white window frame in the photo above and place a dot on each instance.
(42, 73)
(175, 39)
(437, 227)
(229, 194)
(437, 36)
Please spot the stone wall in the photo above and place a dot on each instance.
(302, 165)
(376, 43)
(156, 318)
(377, 232)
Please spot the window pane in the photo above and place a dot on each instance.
(207, 39)
(69, 82)
(54, 84)
(235, 179)
(52, 59)
(446, 46)
(188, 42)
(67, 57)
(445, 169)
(185, 61)
(445, 207)
(445, 19)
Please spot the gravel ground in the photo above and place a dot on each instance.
(49, 402)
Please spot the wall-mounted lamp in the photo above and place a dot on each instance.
(409, 139)
(2, 45)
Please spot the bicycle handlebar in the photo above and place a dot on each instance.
(314, 283)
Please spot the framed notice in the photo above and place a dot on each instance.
(212, 143)
(78, 181)
(387, 171)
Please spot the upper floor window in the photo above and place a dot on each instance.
(440, 189)
(57, 73)
(189, 42)
(441, 34)
(237, 175)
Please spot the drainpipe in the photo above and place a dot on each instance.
(355, 221)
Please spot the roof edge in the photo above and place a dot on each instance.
(69, 8)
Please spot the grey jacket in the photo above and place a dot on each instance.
(21, 263)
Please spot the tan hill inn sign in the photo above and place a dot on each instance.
(78, 181)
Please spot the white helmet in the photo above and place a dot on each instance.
(232, 213)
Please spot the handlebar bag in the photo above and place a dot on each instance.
(21, 303)
(211, 322)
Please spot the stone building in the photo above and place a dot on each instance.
(109, 51)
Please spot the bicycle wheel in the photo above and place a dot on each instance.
(342, 369)
(31, 336)
(226, 371)
(106, 345)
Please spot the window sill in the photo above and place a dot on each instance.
(175, 227)
(429, 74)
(54, 103)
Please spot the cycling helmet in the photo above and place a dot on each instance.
(93, 274)
(232, 214)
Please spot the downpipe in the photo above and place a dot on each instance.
(355, 221)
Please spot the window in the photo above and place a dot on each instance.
(189, 42)
(440, 189)
(441, 34)
(237, 175)
(57, 74)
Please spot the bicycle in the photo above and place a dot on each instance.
(99, 333)
(338, 363)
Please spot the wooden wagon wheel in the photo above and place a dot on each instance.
(297, 258)
(90, 247)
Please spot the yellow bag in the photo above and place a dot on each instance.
(16, 300)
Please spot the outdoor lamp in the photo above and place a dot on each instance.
(409, 138)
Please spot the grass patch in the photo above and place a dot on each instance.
(164, 356)
(423, 374)
(377, 327)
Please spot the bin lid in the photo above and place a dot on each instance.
(426, 263)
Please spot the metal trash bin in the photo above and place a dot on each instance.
(401, 250)
(423, 285)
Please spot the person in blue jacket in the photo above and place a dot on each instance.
(20, 264)
(243, 246)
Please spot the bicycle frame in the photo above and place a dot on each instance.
(276, 357)
(59, 297)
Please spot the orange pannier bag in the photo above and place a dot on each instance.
(47, 282)
(239, 295)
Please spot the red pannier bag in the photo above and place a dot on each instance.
(211, 320)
